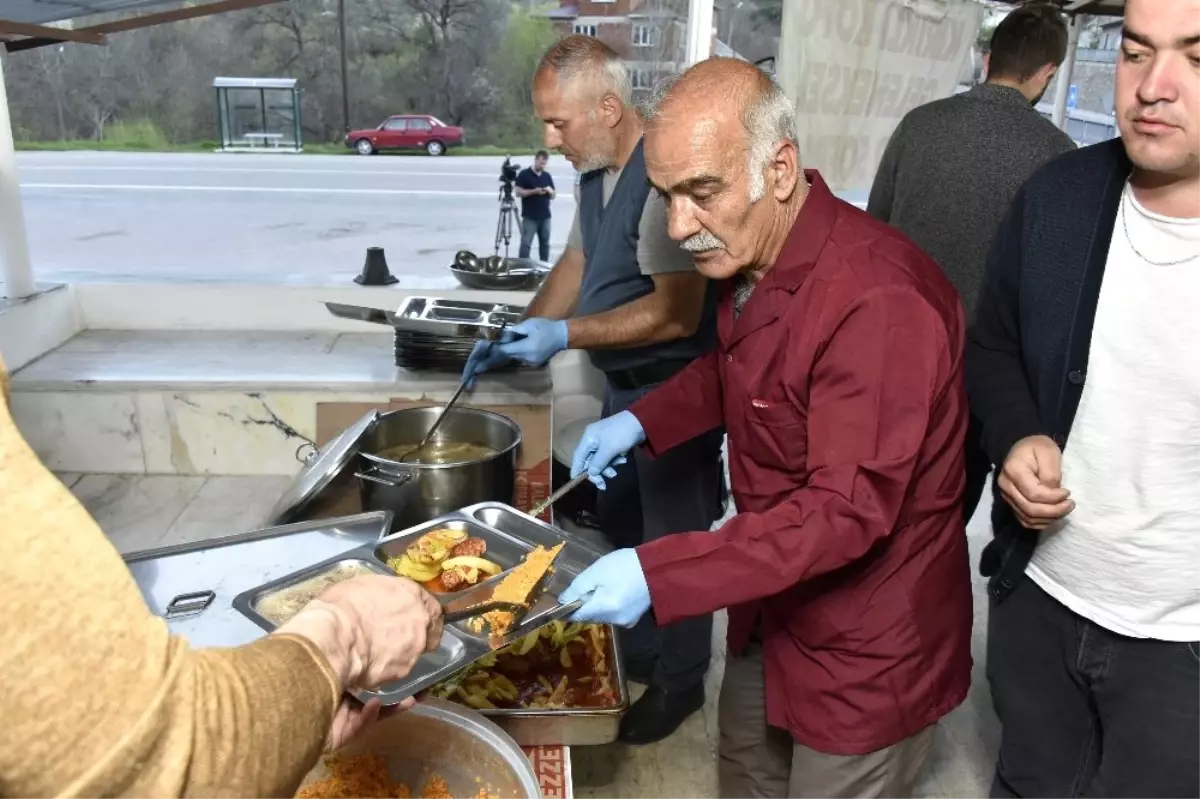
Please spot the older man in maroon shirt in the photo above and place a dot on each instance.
(838, 377)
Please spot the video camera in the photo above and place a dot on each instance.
(508, 177)
(509, 171)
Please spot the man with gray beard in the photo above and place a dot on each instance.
(839, 375)
(629, 296)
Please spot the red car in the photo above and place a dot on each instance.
(407, 132)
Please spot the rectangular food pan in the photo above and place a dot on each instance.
(453, 652)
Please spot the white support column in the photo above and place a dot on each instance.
(1066, 73)
(15, 268)
(699, 31)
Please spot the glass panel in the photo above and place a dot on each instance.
(396, 124)
(421, 125)
(749, 29)
(245, 117)
(281, 118)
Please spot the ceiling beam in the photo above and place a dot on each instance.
(48, 32)
(1102, 8)
(143, 21)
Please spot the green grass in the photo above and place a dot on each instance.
(152, 144)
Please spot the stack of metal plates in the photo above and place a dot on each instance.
(417, 350)
(433, 333)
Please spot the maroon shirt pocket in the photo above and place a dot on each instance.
(776, 435)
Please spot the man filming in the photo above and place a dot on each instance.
(535, 187)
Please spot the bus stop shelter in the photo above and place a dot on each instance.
(258, 113)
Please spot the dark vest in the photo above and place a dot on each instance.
(611, 276)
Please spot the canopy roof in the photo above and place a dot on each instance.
(254, 83)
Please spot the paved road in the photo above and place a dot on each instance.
(263, 217)
(219, 216)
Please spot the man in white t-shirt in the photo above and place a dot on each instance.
(1088, 334)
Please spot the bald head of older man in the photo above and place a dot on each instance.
(583, 94)
(721, 147)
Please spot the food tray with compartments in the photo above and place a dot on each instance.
(461, 318)
(509, 534)
(448, 319)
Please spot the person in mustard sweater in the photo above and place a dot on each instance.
(100, 699)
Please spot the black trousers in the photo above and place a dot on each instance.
(1086, 711)
(681, 491)
(979, 466)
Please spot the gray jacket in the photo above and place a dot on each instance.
(952, 168)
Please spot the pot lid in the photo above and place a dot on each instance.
(322, 468)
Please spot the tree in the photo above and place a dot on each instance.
(466, 61)
(526, 38)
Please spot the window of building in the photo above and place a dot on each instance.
(642, 79)
(644, 36)
(585, 29)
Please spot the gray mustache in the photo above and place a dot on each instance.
(702, 242)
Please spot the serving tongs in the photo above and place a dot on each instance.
(545, 504)
(525, 619)
(471, 611)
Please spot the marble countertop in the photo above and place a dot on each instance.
(169, 360)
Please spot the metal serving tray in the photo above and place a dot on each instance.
(456, 317)
(431, 667)
(546, 726)
(460, 645)
(569, 726)
(193, 586)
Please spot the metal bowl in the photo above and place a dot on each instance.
(465, 259)
(517, 274)
(493, 264)
(457, 744)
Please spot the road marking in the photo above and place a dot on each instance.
(493, 174)
(266, 190)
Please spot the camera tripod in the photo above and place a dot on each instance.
(510, 217)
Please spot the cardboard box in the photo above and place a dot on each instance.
(533, 458)
(552, 764)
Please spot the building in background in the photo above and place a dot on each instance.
(651, 35)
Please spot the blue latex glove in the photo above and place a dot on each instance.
(604, 446)
(484, 360)
(613, 588)
(535, 341)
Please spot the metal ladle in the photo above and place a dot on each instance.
(453, 399)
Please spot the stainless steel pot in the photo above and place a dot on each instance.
(417, 492)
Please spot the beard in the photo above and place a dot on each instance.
(599, 151)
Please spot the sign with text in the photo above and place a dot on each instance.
(854, 68)
(552, 764)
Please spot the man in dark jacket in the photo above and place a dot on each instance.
(1087, 328)
(953, 166)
